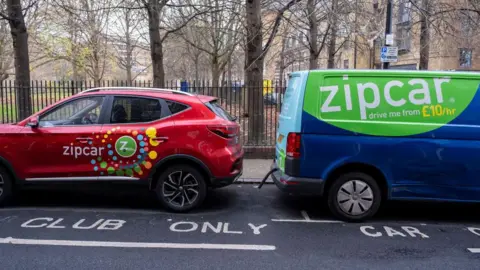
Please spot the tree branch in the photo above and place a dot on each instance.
(276, 25)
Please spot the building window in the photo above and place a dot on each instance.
(347, 45)
(403, 35)
(345, 64)
(404, 38)
(404, 12)
(465, 58)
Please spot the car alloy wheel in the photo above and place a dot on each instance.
(355, 197)
(181, 189)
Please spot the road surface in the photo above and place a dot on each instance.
(239, 227)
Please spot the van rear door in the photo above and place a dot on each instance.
(290, 115)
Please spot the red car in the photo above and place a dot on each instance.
(177, 144)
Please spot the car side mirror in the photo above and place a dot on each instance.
(33, 122)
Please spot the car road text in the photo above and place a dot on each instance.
(391, 232)
(82, 224)
(219, 227)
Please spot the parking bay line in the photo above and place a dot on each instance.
(474, 250)
(76, 243)
(306, 221)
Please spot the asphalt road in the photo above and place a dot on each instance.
(239, 227)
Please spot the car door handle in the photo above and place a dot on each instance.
(84, 140)
(160, 139)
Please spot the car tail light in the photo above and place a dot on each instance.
(293, 145)
(224, 131)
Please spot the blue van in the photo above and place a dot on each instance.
(361, 137)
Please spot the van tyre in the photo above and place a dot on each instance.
(181, 188)
(354, 197)
(6, 186)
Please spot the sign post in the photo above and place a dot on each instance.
(388, 28)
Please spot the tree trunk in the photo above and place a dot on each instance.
(156, 47)
(96, 69)
(197, 62)
(129, 61)
(74, 49)
(424, 36)
(229, 71)
(128, 47)
(333, 36)
(19, 34)
(216, 72)
(313, 32)
(254, 71)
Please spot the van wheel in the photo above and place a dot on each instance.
(6, 186)
(354, 197)
(181, 188)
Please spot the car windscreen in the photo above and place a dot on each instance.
(219, 111)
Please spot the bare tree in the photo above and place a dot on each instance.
(6, 51)
(333, 34)
(424, 35)
(15, 15)
(254, 60)
(216, 33)
(76, 31)
(161, 27)
(127, 37)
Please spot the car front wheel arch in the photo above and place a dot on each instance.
(168, 162)
(9, 169)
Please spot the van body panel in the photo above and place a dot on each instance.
(421, 130)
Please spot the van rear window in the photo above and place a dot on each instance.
(290, 93)
(219, 111)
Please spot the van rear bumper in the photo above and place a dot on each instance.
(297, 185)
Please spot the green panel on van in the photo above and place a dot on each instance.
(403, 104)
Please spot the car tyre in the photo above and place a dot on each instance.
(354, 197)
(6, 186)
(181, 188)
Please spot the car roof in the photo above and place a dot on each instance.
(150, 92)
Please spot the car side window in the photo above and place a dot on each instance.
(175, 107)
(135, 110)
(81, 111)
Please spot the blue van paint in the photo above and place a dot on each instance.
(443, 164)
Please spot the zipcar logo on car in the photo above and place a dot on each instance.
(126, 146)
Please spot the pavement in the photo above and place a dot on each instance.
(254, 170)
(238, 227)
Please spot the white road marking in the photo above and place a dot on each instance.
(73, 243)
(305, 215)
(474, 250)
(84, 210)
(306, 221)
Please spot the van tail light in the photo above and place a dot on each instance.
(224, 131)
(293, 145)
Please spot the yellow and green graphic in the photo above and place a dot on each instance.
(398, 105)
(131, 154)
